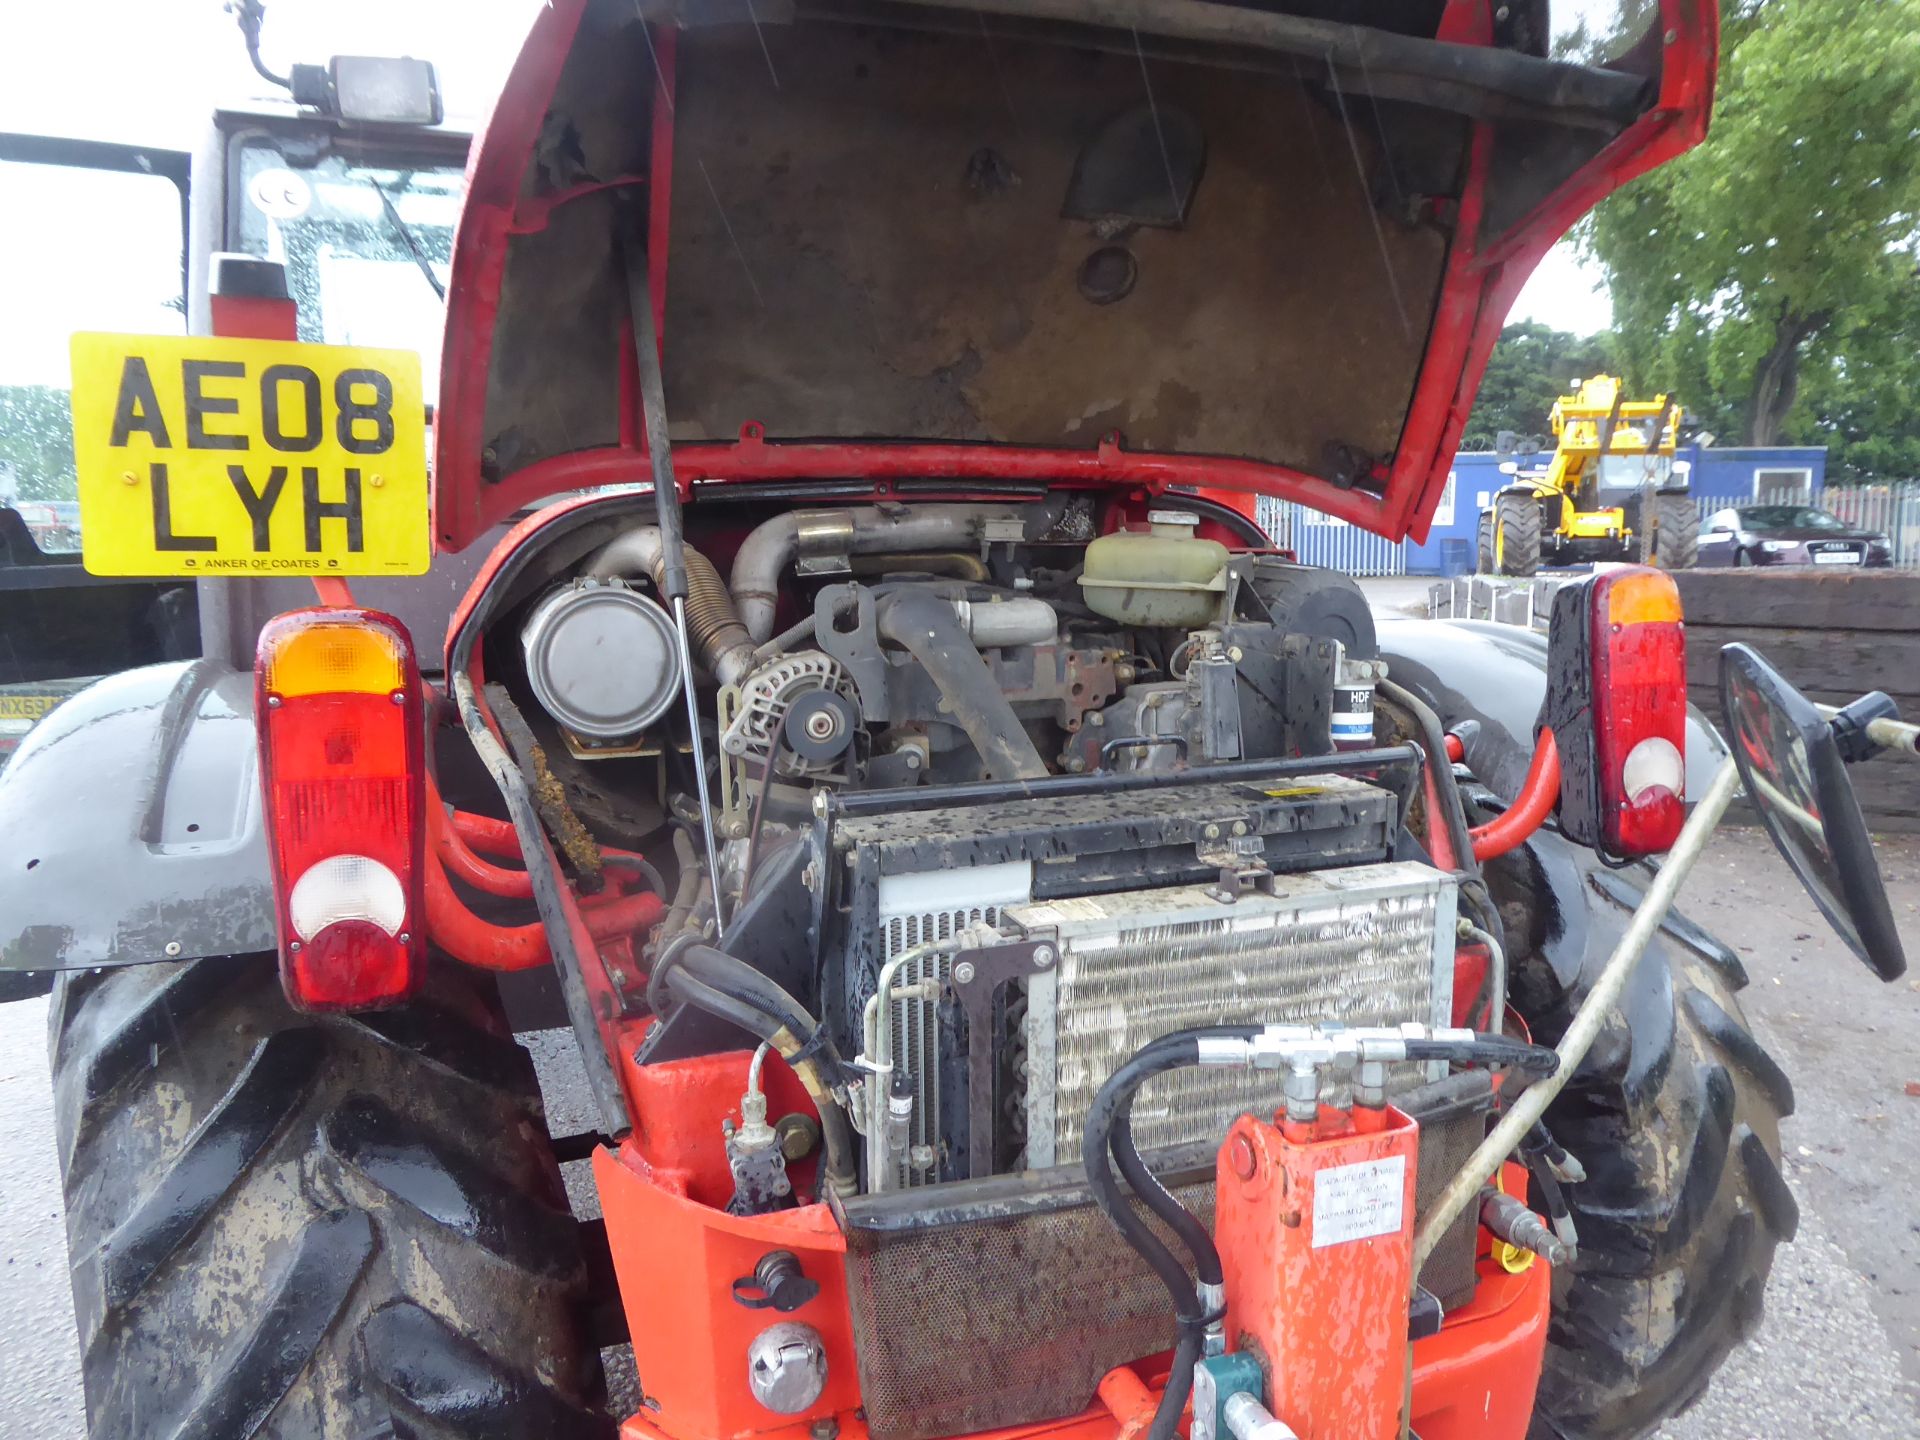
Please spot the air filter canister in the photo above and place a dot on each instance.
(601, 659)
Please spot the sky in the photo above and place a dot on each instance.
(151, 71)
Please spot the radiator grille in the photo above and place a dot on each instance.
(1367, 946)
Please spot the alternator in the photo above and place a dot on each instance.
(752, 714)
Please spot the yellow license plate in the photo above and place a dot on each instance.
(199, 456)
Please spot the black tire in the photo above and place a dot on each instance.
(1483, 552)
(291, 1227)
(1743, 558)
(1675, 1113)
(1676, 541)
(1516, 524)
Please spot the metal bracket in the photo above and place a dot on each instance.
(977, 978)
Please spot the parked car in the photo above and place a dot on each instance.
(1787, 535)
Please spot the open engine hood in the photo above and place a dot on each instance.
(1152, 243)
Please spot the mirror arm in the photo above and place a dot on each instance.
(1869, 725)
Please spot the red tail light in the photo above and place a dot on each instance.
(344, 773)
(1619, 645)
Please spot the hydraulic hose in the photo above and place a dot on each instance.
(1106, 1131)
(926, 626)
(803, 1049)
(1452, 814)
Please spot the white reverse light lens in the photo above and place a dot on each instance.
(350, 887)
(1654, 762)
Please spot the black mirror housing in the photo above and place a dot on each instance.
(1796, 779)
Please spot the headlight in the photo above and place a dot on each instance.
(1774, 547)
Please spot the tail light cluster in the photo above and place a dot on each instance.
(344, 774)
(1617, 703)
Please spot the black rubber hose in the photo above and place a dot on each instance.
(735, 977)
(1108, 1130)
(1488, 1049)
(1162, 1201)
(1170, 1052)
(1434, 739)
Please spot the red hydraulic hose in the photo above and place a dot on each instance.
(1529, 809)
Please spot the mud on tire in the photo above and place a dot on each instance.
(1675, 1114)
(293, 1227)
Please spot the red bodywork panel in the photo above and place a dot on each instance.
(1482, 276)
(677, 1252)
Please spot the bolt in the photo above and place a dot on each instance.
(963, 973)
(399, 697)
(129, 478)
(173, 949)
(293, 947)
(821, 725)
(273, 702)
(405, 938)
(1236, 654)
(1043, 955)
(810, 876)
(825, 1428)
(376, 480)
(1076, 765)
(913, 759)
(1096, 718)
(1240, 1157)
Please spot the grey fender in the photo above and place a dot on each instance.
(1496, 676)
(130, 825)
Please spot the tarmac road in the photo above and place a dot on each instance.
(1838, 1357)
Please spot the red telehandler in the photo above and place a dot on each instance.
(1042, 962)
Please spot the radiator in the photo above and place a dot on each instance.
(1369, 945)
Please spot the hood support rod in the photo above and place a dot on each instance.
(672, 578)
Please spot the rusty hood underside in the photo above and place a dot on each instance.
(1146, 242)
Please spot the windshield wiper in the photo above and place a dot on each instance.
(409, 239)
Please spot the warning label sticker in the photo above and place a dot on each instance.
(1354, 1202)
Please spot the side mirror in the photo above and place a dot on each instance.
(1795, 775)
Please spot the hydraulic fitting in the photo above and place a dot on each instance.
(1248, 1419)
(1216, 1380)
(1510, 1220)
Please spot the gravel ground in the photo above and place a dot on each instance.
(1837, 1358)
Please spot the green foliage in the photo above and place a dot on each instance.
(1785, 244)
(36, 434)
(1530, 368)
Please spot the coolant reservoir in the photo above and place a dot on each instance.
(1163, 577)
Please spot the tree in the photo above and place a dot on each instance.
(1790, 229)
(1531, 366)
(36, 435)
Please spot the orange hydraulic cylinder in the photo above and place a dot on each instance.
(1316, 1238)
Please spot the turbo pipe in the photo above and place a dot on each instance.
(1532, 1102)
(714, 625)
(764, 556)
(925, 625)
